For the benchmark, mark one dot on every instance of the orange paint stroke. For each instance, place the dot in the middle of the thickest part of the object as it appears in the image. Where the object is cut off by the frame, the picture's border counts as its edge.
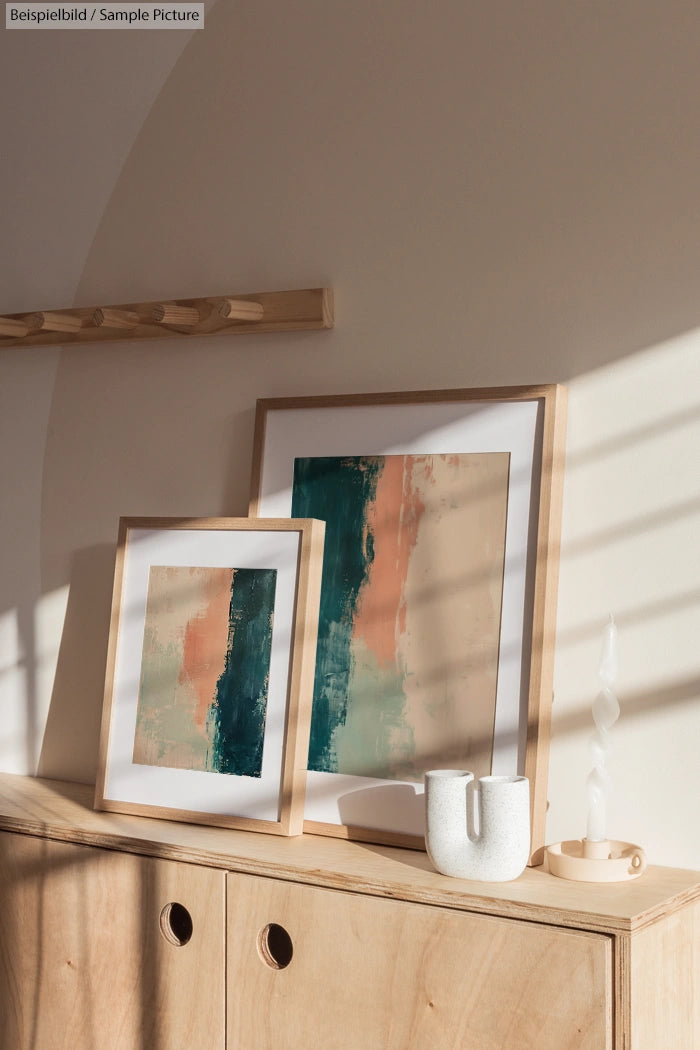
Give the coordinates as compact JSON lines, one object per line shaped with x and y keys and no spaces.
{"x":206,"y":640}
{"x":392,"y":519}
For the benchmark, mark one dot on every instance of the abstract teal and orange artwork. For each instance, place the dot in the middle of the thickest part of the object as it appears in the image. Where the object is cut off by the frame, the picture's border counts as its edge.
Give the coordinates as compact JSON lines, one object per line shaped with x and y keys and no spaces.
{"x":205,"y":664}
{"x":408,"y":644}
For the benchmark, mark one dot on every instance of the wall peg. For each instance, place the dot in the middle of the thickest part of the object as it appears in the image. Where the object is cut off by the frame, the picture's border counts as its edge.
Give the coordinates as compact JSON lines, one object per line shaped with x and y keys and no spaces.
{"x":171,"y":313}
{"x":13,"y":328}
{"x":108,"y":317}
{"x":53,"y":321}
{"x":241,"y":310}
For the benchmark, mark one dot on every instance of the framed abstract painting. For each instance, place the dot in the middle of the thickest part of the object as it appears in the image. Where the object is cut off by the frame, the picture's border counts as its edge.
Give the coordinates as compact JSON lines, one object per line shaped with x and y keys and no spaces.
{"x":210,"y":671}
{"x":436,"y":626}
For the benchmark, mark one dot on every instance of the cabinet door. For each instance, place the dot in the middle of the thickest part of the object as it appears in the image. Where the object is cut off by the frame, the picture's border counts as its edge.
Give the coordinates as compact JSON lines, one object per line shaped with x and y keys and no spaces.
{"x":97,"y":951}
{"x":310,"y":967}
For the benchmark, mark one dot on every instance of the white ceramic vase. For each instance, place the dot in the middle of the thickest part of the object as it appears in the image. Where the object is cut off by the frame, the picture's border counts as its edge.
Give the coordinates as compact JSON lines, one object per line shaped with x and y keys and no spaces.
{"x":495,"y":851}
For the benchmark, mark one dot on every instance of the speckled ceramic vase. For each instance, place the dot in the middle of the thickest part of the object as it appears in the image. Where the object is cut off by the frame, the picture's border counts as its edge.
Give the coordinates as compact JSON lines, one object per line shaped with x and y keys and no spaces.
{"x":498,"y":851}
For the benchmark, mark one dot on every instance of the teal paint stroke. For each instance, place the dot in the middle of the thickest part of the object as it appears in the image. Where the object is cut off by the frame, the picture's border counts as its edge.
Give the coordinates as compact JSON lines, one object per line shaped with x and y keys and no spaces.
{"x":240,"y":703}
{"x":338,"y":490}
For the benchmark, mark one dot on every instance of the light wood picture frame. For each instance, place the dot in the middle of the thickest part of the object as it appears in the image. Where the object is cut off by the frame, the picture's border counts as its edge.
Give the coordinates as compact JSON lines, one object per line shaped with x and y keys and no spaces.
{"x":210,"y":671}
{"x":451,"y":501}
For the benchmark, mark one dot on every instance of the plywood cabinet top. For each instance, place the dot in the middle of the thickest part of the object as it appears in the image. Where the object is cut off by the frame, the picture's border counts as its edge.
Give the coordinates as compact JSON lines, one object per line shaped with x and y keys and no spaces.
{"x":64,"y":811}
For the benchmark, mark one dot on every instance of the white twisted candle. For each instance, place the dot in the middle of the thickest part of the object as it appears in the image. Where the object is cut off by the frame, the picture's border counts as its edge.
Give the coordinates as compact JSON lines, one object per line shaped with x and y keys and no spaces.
{"x":606,"y":711}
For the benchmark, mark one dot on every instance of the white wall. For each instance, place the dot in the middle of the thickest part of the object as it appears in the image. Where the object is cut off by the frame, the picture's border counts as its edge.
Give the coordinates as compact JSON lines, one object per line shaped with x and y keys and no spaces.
{"x":499,"y":194}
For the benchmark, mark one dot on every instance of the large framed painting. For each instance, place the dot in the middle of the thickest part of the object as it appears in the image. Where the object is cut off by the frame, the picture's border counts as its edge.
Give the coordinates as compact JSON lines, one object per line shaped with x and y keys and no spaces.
{"x":210,"y":671}
{"x":435,"y":644}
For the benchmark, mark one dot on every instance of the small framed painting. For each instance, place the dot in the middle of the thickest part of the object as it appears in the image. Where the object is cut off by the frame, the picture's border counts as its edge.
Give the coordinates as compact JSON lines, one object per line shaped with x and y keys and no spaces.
{"x":436,"y":627}
{"x":210,"y":671}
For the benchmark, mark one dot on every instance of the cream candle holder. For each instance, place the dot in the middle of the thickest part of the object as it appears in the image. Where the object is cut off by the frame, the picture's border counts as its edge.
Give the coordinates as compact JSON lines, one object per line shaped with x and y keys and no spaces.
{"x":606,"y":861}
{"x":596,"y":858}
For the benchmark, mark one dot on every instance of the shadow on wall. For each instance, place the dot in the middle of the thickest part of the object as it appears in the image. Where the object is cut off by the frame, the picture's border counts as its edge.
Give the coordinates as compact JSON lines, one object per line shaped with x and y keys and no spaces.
{"x":72,"y":729}
{"x":73,"y":723}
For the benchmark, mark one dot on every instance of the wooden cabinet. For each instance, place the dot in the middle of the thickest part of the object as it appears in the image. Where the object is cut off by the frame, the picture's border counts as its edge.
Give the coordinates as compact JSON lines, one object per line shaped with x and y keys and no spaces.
{"x":148,"y":935}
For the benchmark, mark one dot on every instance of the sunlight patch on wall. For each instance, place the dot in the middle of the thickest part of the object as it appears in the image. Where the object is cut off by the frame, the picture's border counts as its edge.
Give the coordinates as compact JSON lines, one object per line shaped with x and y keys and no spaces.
{"x":632,"y":510}
{"x":29,"y":647}
{"x":49,"y":617}
{"x":630,"y":531}
{"x":13,"y":689}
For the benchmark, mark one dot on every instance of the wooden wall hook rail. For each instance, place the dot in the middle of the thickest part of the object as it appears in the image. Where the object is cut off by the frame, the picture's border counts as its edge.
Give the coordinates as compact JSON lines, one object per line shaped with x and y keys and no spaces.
{"x":290,"y":311}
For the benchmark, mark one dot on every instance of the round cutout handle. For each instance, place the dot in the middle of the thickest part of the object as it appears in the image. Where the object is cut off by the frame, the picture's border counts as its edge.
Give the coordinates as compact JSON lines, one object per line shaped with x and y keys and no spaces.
{"x":275,"y":946}
{"x":176,"y":924}
{"x":638,"y":862}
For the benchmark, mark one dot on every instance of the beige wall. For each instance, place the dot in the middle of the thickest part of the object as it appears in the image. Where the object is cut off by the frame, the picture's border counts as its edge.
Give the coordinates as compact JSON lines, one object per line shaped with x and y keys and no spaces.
{"x":499,"y":194}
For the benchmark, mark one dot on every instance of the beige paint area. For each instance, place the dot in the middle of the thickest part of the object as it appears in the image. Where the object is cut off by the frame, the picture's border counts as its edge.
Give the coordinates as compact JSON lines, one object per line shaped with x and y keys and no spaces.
{"x":427,"y":631}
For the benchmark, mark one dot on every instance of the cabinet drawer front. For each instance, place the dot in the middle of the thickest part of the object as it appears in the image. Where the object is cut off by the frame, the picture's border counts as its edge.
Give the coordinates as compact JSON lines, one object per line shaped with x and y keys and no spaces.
{"x":367,"y":973}
{"x":86,"y":961}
